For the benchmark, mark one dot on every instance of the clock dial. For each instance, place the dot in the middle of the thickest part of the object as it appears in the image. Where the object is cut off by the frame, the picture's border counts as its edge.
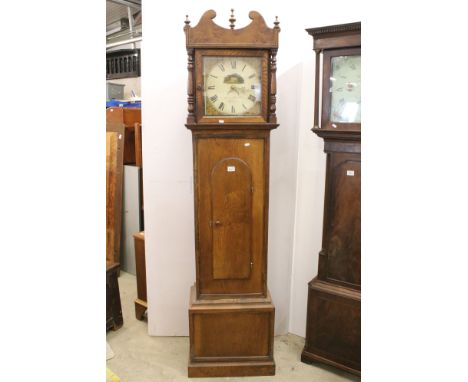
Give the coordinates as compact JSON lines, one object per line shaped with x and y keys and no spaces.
{"x":345,"y":89}
{"x":232,"y":85}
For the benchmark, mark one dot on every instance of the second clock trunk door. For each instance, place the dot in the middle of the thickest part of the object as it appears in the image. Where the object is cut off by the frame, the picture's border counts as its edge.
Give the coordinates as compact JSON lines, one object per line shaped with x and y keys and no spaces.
{"x":344,"y":224}
{"x":230,"y":189}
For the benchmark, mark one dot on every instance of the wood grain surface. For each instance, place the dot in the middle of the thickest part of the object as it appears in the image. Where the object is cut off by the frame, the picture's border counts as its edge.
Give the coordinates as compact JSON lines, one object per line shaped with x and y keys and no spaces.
{"x":231,"y":224}
{"x":114,"y":174}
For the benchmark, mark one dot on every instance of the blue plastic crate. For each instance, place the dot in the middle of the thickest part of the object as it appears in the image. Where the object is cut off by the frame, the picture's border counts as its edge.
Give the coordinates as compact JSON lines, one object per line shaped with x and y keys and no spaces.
{"x":116,"y":103}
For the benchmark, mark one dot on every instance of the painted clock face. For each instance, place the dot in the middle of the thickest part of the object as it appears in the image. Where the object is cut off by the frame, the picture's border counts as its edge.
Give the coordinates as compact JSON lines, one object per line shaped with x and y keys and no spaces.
{"x":232,"y":85}
{"x":345,"y":89}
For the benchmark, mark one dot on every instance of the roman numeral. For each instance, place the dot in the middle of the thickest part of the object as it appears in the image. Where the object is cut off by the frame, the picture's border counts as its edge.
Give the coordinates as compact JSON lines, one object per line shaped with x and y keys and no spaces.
{"x":252,"y":86}
{"x":233,"y":64}
{"x":214,"y":98}
{"x":211,"y":87}
{"x":221,"y":106}
{"x":244,"y":67}
{"x":221,"y":67}
{"x":252,"y":98}
{"x":233,"y":109}
{"x":213,"y":76}
{"x":252,"y":75}
{"x":245,"y":107}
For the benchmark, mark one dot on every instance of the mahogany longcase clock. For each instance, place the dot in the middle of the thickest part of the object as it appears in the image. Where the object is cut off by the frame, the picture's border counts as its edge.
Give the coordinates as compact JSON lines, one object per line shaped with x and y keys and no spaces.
{"x":333,"y":333}
{"x":231,"y":110}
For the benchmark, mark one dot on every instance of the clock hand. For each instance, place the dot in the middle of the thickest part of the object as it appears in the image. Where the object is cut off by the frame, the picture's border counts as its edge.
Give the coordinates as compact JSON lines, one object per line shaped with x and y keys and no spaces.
{"x":238,"y":89}
{"x":233,"y":88}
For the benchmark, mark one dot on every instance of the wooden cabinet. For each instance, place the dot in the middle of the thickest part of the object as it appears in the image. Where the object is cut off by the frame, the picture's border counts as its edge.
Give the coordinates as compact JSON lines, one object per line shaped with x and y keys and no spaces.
{"x":114,"y":319}
{"x":333,"y":333}
{"x":129,"y":117}
{"x":231,"y":110}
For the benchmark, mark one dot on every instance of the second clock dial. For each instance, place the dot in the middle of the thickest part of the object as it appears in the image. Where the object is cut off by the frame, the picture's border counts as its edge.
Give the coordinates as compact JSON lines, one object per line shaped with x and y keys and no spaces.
{"x":232,"y":85}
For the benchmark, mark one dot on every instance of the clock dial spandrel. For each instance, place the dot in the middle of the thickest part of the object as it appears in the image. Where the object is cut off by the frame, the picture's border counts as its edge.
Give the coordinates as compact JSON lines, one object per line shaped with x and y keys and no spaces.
{"x":232,"y":85}
{"x":345,"y":89}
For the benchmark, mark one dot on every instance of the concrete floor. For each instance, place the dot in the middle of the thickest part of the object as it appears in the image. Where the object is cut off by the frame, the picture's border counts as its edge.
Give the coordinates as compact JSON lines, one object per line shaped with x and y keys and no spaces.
{"x":141,"y":358}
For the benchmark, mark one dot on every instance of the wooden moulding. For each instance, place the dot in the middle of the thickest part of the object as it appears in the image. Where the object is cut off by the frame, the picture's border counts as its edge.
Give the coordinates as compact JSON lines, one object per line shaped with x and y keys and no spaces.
{"x":232,"y":126}
{"x":207,"y":34}
{"x":231,"y":337}
{"x":338,"y":135}
{"x":336,"y":36}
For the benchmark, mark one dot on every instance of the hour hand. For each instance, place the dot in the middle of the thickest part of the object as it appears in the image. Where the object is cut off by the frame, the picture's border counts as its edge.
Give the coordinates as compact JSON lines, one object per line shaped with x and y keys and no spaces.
{"x":233,"y":88}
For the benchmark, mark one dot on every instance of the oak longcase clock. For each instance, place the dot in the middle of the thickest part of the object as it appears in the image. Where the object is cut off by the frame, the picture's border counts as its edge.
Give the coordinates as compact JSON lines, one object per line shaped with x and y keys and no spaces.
{"x":333,"y":333}
{"x":231,"y":110}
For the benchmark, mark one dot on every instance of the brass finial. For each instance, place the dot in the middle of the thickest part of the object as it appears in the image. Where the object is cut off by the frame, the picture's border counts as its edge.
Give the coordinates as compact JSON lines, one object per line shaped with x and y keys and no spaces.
{"x":276,"y":23}
{"x":187,"y":21}
{"x":232,"y":20}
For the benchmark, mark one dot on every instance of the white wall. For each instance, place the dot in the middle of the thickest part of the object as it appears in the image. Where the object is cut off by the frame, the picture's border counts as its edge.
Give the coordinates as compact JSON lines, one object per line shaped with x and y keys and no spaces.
{"x":308,"y":204}
{"x":297,"y":159}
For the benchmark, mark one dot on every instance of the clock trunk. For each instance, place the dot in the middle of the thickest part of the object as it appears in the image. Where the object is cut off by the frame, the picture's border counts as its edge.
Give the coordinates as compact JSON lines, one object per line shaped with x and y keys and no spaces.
{"x":230,"y":188}
{"x":340,"y":260}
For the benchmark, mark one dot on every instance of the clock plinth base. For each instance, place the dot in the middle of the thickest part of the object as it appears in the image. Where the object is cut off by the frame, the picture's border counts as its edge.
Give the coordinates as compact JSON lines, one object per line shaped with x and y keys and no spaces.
{"x":231,"y":337}
{"x":230,"y":369}
{"x":333,"y":334}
